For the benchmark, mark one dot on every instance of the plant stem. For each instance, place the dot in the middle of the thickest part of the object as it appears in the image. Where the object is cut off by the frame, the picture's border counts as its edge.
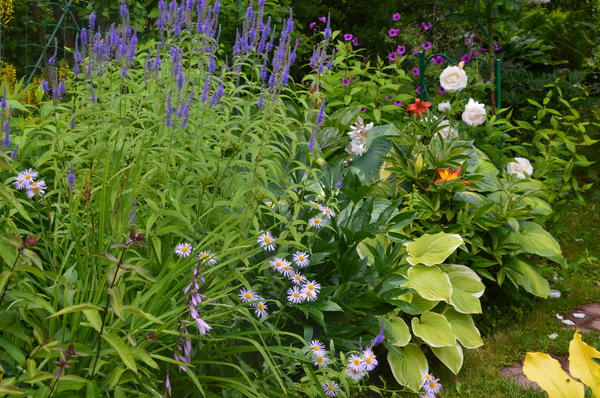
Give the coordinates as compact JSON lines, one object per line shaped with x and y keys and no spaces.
{"x":105,"y":312}
{"x":8,"y":279}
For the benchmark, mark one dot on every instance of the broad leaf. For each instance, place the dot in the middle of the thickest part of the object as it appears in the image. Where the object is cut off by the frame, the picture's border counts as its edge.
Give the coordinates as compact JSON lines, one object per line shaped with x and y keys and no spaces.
{"x":581,"y":364}
{"x":122,"y":349}
{"x":536,"y":240}
{"x":451,"y":356}
{"x":408,"y":366}
{"x":430,"y":282}
{"x":397,"y":332}
{"x":432,"y":249}
{"x":528,"y":278}
{"x":464,"y":329}
{"x":75,"y":308}
{"x":546,"y":372}
{"x":434,"y":329}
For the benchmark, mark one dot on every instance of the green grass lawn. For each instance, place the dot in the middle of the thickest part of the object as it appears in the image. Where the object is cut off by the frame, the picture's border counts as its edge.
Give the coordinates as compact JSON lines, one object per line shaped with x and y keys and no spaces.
{"x":518,"y":323}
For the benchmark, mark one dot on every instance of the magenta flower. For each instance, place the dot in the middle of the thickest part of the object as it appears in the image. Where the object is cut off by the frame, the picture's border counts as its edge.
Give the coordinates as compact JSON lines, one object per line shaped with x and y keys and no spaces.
{"x":400,"y":50}
{"x":469,"y":41}
{"x":345,"y":82}
{"x":363,"y":109}
{"x":414,"y":52}
{"x":348,"y":36}
{"x":496,"y":46}
{"x":482,"y":50}
{"x":388,"y":97}
{"x":426,"y":25}
{"x":418,"y":90}
{"x":426,"y":46}
{"x":437,"y":60}
{"x":441,"y":90}
{"x":416,"y":71}
{"x":323,"y":19}
{"x":312,"y":25}
{"x":396,"y":16}
{"x":392,"y":56}
{"x":398,"y":103}
{"x":393,"y":32}
{"x":466,"y":58}
{"x":355,"y":41}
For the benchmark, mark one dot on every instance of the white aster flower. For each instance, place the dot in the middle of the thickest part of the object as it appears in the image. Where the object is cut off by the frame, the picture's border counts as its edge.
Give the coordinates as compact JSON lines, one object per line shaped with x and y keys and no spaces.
{"x":207,"y":257}
{"x":320,"y":358}
{"x":24,"y":178}
{"x":183,"y":249}
{"x":327,"y":212}
{"x":287,"y":269}
{"x":301,"y":259}
{"x":36,"y":188}
{"x":432,"y":386}
{"x":453,"y":79}
{"x":369,"y":359}
{"x":355,"y":362}
{"x":330,"y":388}
{"x":356,"y":374}
{"x":247,"y":295}
{"x":313,"y":286}
{"x":316,"y":345}
{"x":309,"y":295}
{"x":521,"y":168}
{"x":277,"y":264}
{"x":474,"y":114}
{"x":316,"y":222}
{"x":444,"y":106}
{"x":294,"y":295}
{"x":266,"y":241}
{"x":260,"y":309}
{"x":297,"y":278}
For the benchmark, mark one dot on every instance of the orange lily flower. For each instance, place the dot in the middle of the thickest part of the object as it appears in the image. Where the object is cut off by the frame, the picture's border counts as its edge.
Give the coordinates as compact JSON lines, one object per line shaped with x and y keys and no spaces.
{"x":418,"y":107}
{"x":447,"y":175}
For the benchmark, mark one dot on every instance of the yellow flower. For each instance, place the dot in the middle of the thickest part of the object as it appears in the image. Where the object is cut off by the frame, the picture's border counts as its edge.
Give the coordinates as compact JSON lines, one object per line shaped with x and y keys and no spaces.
{"x":6,"y":11}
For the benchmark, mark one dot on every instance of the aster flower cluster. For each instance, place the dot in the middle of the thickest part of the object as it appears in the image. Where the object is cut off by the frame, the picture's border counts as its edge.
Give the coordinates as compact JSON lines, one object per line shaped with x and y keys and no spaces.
{"x":359,"y":364}
{"x":255,"y":301}
{"x":26,"y":180}
{"x":431,"y":386}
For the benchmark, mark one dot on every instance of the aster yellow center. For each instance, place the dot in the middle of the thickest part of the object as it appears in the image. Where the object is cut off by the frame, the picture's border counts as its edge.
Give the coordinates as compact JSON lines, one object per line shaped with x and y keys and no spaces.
{"x":27,"y":176}
{"x":261,"y":306}
{"x":356,"y":361}
{"x":320,"y":359}
{"x":184,"y":249}
{"x":330,"y":388}
{"x":248,"y":295}
{"x":432,"y":384}
{"x":296,"y":295}
{"x":317,"y":221}
{"x":310,"y":287}
{"x":266,"y":239}
{"x":368,"y":360}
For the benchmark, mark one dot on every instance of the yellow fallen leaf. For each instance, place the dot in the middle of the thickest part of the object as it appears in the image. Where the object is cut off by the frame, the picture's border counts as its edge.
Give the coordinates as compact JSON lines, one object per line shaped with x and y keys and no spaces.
{"x":546,"y":372}
{"x":581,"y":364}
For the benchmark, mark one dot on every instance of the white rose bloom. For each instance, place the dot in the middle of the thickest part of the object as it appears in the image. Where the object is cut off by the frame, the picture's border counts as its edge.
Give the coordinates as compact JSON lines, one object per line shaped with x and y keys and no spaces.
{"x":474,"y":114}
{"x":453,"y":79}
{"x":357,"y":147}
{"x":359,"y":130}
{"x":521,"y":168}
{"x":447,"y":132}
{"x":444,"y":106}
{"x":540,"y":1}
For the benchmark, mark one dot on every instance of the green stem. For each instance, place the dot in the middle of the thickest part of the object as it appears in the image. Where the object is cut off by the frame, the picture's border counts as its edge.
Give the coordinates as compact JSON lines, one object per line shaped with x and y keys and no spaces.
{"x":12,"y":269}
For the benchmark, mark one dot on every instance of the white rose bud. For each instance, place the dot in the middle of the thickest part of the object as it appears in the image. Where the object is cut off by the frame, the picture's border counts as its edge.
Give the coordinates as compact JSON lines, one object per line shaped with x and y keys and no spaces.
{"x":444,"y":106}
{"x":521,"y":168}
{"x":474,"y":114}
{"x":453,"y":79}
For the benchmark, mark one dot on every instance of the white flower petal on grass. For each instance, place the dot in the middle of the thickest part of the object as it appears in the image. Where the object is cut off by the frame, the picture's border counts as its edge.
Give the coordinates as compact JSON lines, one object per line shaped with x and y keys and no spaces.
{"x":183,"y":249}
{"x":453,"y":79}
{"x":266,"y":241}
{"x":554,"y":293}
{"x":568,"y":322}
{"x":474,"y":114}
{"x":247,"y":295}
{"x":521,"y":168}
{"x":260,"y":309}
{"x":301,"y":259}
{"x":579,"y":315}
{"x":553,"y":336}
{"x":559,"y":317}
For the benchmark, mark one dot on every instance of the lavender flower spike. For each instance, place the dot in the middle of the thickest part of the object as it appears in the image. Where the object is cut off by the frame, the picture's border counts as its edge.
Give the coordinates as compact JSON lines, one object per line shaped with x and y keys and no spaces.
{"x":381,"y":336}
{"x":321,"y":114}
{"x":71,"y":178}
{"x":3,"y":103}
{"x":92,"y":20}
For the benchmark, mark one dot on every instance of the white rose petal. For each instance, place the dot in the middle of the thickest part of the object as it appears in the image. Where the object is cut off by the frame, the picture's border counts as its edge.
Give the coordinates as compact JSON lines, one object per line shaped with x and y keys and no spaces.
{"x":357,"y":147}
{"x":579,"y":315}
{"x":521,"y":168}
{"x":444,"y":106}
{"x":553,"y":336}
{"x":474,"y":114}
{"x":554,"y":294}
{"x":559,"y":317}
{"x":453,"y":79}
{"x":568,"y":322}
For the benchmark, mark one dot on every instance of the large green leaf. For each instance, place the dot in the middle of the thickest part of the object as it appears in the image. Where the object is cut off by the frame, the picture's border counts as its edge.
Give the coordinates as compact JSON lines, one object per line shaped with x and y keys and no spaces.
{"x":122,"y":349}
{"x":432,"y":249}
{"x":434,"y":329}
{"x":536,"y":240}
{"x":528,"y":278}
{"x":408,"y":366}
{"x":464,"y":329}
{"x":466,"y":288}
{"x":430,"y":282}
{"x":451,"y":356}
{"x":76,"y":308}
{"x":397,"y":332}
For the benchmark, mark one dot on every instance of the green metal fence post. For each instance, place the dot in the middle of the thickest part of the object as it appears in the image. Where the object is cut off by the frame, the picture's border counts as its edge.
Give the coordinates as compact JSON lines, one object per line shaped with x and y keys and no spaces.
{"x":498,"y":75}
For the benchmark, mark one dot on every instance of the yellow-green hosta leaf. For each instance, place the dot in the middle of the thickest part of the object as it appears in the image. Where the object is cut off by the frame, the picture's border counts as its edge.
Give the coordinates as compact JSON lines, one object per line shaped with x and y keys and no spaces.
{"x":430,"y":282}
{"x":464,"y":329}
{"x":122,"y":349}
{"x":465,"y":302}
{"x":434,"y":329}
{"x":528,"y":278}
{"x":397,"y":332}
{"x":544,"y":370}
{"x":464,"y":278}
{"x":581,"y":364}
{"x":422,"y":304}
{"x":432,"y":249}
{"x":451,"y":356}
{"x":409,"y":366}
